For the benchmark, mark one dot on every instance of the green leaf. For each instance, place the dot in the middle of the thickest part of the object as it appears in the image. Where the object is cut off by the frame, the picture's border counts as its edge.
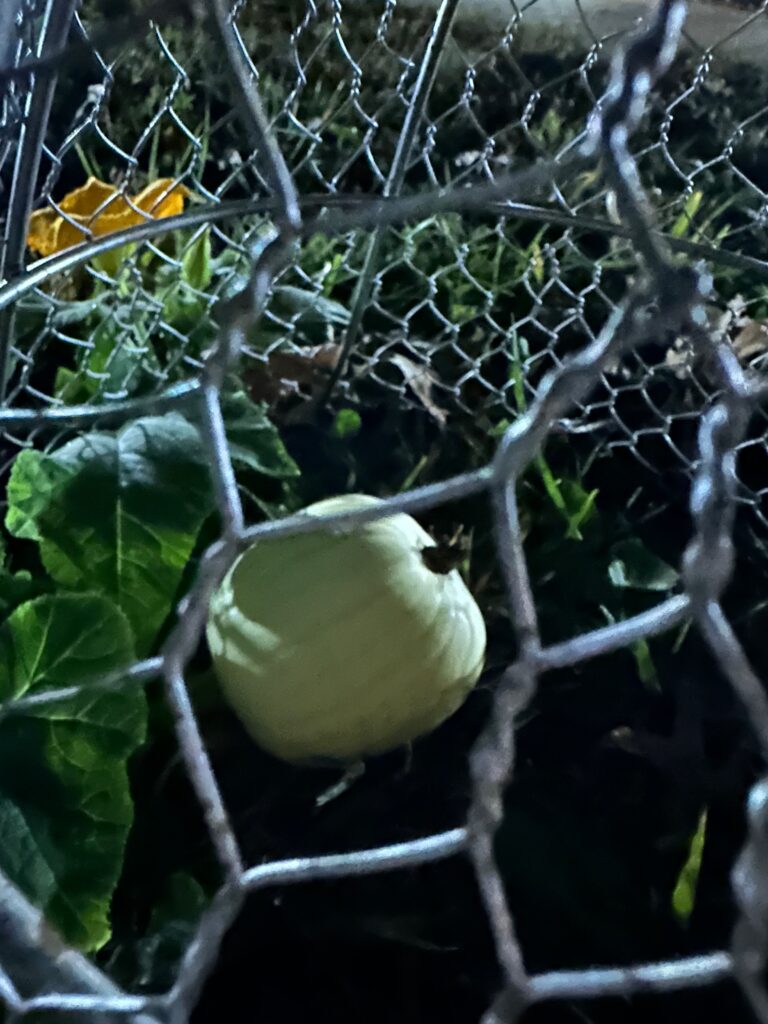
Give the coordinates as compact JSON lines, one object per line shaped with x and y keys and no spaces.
{"x":171,"y":929}
{"x":462,"y":311}
{"x":117,"y":362}
{"x":187,"y":312}
{"x":70,"y":313}
{"x":254,"y":441}
{"x":111,"y":261}
{"x":65,"y":804}
{"x":145,"y":957}
{"x":684,"y":894}
{"x":121,"y":356}
{"x":499,"y":429}
{"x":196,"y":268}
{"x":31,"y":313}
{"x":34,"y":481}
{"x":574,"y":504}
{"x":16,"y":588}
{"x":68,"y":386}
{"x":634,"y":567}
{"x":646,"y":669}
{"x":308,"y":309}
{"x":35,"y":313}
{"x":684,"y":222}
{"x":233,"y":282}
{"x":117,"y":513}
{"x":347,"y":423}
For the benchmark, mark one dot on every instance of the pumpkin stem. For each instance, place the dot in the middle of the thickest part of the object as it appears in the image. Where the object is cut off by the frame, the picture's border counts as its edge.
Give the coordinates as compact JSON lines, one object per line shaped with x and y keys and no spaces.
{"x":445,"y":555}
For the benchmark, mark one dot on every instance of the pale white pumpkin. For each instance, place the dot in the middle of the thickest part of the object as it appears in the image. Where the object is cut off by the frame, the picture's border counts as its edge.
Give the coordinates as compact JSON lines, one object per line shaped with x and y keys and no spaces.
{"x":343,"y":643}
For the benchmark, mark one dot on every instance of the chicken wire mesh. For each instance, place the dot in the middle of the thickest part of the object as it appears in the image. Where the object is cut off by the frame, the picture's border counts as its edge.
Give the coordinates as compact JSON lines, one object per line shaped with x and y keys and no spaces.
{"x":335,"y":193}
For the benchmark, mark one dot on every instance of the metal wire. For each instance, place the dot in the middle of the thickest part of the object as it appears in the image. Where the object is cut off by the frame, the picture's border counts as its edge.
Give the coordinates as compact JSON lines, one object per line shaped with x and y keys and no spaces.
{"x":666,"y":296}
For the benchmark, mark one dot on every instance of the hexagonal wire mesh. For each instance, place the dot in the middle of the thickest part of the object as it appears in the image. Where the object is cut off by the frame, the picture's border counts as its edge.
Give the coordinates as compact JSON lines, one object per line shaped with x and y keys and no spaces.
{"x":366,"y":143}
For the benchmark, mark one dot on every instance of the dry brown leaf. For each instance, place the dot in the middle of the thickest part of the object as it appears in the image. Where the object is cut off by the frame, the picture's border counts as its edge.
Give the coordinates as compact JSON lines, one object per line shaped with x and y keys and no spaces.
{"x":284,"y":375}
{"x":747,"y":337}
{"x":420,"y":379}
{"x":751,"y":341}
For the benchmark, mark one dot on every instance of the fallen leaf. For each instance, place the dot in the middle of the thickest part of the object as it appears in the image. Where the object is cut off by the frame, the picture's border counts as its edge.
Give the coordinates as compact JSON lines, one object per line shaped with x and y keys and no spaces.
{"x":679,"y":358}
{"x":748,"y":339}
{"x":420,"y":379}
{"x":751,"y":341}
{"x":282,"y":375}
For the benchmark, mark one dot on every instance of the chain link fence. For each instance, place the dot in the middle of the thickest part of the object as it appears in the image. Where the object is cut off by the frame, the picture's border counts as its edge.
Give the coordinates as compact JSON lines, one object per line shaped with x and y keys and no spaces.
{"x":484,"y":221}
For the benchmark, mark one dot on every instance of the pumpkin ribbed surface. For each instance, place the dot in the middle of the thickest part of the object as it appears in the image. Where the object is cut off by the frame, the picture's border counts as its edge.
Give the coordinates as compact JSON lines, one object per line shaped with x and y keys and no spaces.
{"x":343,"y":643}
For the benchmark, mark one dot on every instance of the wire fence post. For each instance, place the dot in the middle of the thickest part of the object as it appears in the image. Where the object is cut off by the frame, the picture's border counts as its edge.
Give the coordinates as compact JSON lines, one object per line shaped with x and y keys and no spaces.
{"x":56,"y":21}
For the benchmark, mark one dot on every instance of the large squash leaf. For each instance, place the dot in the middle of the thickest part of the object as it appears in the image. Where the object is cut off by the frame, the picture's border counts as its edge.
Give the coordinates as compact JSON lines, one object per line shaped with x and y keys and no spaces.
{"x":65,"y":804}
{"x":118,"y":514}
{"x":254,"y":440}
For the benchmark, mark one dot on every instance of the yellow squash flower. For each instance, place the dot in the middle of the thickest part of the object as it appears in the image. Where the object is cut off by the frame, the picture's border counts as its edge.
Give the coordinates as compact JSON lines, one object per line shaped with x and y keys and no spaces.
{"x":100,"y":209}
